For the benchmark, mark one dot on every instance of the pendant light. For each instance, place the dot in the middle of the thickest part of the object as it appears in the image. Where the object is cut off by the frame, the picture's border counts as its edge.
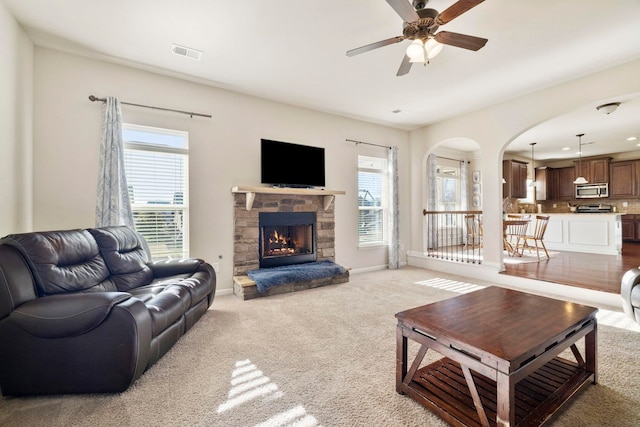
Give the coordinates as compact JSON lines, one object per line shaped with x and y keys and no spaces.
{"x":580,"y":179}
{"x":533,"y":169}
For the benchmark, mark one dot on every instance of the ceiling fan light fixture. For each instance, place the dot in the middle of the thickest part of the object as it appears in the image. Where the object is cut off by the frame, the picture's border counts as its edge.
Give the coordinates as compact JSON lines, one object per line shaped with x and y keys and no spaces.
{"x":415,"y":51}
{"x":433,"y":48}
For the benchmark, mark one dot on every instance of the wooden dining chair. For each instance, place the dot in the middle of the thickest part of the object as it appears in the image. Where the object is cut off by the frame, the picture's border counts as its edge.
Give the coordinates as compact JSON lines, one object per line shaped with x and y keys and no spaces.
{"x":516,"y":233}
{"x":474,"y":229}
{"x":537,"y":237}
{"x":519,"y":216}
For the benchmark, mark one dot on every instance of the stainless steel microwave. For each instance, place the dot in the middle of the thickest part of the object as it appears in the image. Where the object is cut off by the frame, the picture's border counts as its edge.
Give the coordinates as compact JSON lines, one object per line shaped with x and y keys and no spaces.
{"x":592,"y":191}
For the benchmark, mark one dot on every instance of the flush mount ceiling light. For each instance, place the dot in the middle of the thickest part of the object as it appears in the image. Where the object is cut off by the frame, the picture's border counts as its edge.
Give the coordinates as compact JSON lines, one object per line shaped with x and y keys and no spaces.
{"x":632,"y":138}
{"x":608,"y":108}
{"x":580,"y":179}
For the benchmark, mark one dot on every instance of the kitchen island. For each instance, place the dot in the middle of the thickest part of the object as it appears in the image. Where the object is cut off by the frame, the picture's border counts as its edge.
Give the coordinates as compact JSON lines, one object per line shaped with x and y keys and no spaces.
{"x":599,"y":233}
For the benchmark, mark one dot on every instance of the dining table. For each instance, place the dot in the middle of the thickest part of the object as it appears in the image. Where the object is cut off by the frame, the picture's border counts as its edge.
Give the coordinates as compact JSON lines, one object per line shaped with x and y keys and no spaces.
{"x":514,"y":230}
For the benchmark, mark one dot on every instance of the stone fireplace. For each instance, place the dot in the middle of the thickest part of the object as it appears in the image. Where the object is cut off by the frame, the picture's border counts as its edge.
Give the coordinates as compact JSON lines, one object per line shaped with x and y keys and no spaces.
{"x":312,"y":240}
{"x":249,"y":202}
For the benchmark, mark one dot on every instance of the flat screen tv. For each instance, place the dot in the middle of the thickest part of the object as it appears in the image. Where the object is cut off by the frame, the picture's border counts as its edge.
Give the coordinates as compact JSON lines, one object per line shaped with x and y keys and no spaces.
{"x":291,"y":165}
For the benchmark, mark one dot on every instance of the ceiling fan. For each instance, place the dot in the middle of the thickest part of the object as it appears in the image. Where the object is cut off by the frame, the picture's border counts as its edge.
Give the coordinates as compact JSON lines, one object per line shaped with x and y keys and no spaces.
{"x":420,"y":26}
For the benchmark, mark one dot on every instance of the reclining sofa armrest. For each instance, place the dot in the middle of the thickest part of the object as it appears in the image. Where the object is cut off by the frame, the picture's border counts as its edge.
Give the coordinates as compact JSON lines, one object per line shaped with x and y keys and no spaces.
{"x":629,"y":286}
{"x":109,"y":351}
{"x":66,"y":315}
{"x":172,"y":267}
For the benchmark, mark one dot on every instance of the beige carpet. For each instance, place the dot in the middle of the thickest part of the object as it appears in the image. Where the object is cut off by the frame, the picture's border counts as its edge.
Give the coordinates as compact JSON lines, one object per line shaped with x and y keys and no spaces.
{"x":320,"y":357}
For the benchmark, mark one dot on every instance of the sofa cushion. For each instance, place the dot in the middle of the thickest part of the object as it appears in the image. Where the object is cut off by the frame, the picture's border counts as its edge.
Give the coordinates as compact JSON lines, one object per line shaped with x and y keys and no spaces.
{"x":63,"y":261}
{"x":166,"y":304}
{"x":198,"y":284}
{"x":124,"y":252}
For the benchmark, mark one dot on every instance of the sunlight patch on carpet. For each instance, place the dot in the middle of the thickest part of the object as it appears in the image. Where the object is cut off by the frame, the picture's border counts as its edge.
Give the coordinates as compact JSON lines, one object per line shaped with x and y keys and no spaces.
{"x":616,"y":319}
{"x":295,"y":416}
{"x":249,"y":383}
{"x":450,"y":285}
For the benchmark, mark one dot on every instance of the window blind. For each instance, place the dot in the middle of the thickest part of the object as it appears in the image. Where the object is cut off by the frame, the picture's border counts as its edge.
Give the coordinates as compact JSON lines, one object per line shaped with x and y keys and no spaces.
{"x":157,"y":181}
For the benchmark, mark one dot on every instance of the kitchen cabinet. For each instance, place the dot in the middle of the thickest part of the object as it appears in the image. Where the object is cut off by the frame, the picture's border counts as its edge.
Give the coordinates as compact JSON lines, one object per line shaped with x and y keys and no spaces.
{"x":599,"y":170}
{"x":623,"y":179}
{"x":594,"y":170}
{"x":564,"y":187}
{"x":627,"y":225}
{"x":514,"y":173}
{"x":545,"y":183}
{"x":597,"y":233}
{"x":630,"y":224}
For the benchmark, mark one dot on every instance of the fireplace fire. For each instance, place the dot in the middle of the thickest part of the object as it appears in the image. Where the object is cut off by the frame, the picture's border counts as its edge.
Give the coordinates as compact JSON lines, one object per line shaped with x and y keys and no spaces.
{"x":287,"y":238}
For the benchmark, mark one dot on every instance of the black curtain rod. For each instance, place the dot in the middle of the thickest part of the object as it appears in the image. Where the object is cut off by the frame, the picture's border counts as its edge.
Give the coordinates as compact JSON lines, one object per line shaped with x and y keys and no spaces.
{"x":94,"y":99}
{"x":367,"y":143}
{"x":448,"y":158}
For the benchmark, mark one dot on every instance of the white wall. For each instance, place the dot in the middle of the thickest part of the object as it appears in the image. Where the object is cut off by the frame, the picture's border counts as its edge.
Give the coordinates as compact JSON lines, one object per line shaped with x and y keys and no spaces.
{"x":493,"y":128}
{"x":224,"y":150}
{"x":15,"y":125}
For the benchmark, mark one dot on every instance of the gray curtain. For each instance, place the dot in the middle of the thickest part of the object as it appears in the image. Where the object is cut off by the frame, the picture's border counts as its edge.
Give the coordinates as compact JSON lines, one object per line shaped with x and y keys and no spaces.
{"x":112,"y":206}
{"x":464,"y":187}
{"x":394,"y":199}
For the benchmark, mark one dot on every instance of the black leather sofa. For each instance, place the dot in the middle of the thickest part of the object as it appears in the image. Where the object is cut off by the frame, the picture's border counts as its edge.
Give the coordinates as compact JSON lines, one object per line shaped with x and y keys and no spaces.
{"x":630,"y":293}
{"x":85,"y":311}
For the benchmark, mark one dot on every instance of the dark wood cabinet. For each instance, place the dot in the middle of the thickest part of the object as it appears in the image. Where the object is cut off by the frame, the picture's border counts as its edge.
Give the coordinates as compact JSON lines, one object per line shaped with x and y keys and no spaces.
{"x":545,"y":183}
{"x":623,"y":179}
{"x":514,"y":173}
{"x":631,"y":227}
{"x":564,"y":186}
{"x":599,"y":170}
{"x":594,"y":170}
{"x":627,"y":224}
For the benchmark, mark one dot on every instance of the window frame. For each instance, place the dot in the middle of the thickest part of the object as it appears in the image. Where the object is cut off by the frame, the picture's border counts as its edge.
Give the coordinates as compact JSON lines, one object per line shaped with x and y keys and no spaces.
{"x":181,"y":209}
{"x":383,"y":172}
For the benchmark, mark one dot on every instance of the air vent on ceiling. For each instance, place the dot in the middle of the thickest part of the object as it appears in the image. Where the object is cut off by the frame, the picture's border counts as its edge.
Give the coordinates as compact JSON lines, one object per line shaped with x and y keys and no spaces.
{"x":186,"y":51}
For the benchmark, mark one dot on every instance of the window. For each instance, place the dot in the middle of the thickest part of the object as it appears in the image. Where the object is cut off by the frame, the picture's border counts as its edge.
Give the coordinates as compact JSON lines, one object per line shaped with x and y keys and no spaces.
{"x":156,"y":164}
{"x":448,"y":178}
{"x":531,"y":186}
{"x":372,"y":200}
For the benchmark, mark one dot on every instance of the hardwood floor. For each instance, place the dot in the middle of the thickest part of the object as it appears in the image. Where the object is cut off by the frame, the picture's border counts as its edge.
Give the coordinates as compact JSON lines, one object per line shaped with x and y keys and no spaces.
{"x":590,"y":271}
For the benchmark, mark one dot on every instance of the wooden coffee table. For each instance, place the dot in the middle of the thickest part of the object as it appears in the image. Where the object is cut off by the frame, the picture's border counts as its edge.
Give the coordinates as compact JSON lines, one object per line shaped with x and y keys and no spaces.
{"x":500,"y":364}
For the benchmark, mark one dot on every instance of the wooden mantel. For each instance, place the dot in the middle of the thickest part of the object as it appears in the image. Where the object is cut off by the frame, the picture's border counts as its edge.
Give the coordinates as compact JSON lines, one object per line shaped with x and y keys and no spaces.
{"x":250,"y":193}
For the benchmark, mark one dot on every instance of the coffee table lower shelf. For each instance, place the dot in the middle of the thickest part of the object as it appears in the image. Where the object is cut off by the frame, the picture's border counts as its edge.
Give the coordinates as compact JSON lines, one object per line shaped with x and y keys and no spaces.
{"x":442,"y":388}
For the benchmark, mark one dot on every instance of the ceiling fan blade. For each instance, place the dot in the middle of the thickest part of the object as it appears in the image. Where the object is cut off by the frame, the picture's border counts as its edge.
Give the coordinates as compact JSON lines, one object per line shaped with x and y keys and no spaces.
{"x":460,"y":40}
{"x":405,"y":10}
{"x":367,"y":48}
{"x":405,"y":66}
{"x":455,"y":10}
